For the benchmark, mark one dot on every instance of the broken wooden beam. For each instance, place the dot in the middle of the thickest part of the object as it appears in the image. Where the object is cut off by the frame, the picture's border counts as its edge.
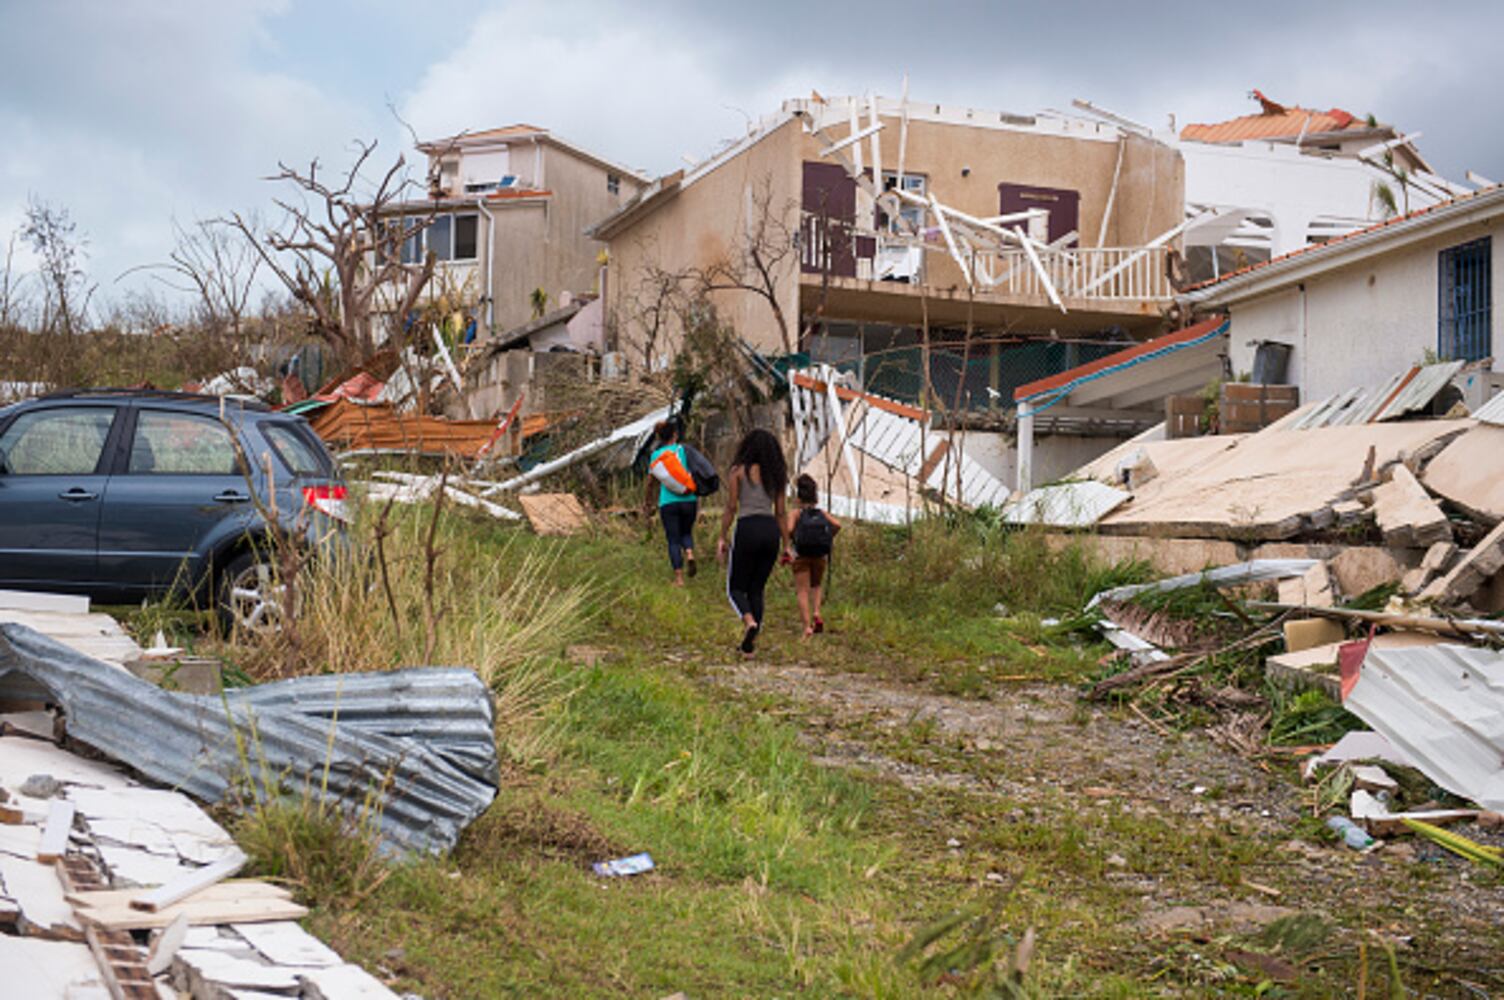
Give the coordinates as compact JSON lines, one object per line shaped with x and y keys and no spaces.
{"x":172,"y":892}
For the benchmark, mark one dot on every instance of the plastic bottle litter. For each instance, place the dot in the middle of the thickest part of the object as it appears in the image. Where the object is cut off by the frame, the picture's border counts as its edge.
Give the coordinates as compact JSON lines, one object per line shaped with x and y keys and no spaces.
{"x":635,"y":865}
{"x":1352,"y":835}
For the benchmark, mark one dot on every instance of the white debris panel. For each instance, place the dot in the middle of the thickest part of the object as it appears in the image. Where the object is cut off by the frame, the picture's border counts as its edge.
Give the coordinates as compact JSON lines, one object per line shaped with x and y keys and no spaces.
{"x":1066,"y":505}
{"x":1443,"y":707}
{"x":425,"y":735}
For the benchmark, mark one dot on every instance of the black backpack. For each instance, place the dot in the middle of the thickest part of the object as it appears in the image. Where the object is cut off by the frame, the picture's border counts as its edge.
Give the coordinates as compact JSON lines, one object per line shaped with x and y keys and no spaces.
{"x":704,"y":474}
{"x":813,"y":533}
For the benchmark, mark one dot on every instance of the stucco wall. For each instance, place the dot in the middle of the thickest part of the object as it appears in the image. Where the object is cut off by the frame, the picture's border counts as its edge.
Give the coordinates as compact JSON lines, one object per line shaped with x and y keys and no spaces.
{"x":696,"y":227}
{"x":1358,"y":325}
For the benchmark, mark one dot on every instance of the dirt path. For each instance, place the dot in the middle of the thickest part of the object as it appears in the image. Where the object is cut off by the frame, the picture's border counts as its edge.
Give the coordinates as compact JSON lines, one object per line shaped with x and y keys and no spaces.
{"x":1054,"y":760}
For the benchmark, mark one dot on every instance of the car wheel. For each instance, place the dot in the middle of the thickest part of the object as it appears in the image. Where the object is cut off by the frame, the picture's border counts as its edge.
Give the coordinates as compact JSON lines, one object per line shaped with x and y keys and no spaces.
{"x":250,"y":598}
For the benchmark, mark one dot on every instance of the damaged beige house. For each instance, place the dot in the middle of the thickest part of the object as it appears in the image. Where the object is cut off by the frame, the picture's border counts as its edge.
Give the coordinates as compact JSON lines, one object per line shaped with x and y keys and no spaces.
{"x":801,"y":256}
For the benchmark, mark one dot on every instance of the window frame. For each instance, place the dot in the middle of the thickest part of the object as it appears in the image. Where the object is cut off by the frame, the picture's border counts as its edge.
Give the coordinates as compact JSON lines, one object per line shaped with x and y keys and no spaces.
{"x":1465,"y":334}
{"x":128,"y":445}
{"x":474,"y":219}
{"x":102,"y":463}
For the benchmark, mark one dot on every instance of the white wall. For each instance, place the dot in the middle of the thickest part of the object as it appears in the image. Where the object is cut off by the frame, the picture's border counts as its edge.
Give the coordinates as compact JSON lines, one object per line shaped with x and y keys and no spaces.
{"x":1358,"y":325}
{"x":1292,"y":187}
{"x":1055,"y":455}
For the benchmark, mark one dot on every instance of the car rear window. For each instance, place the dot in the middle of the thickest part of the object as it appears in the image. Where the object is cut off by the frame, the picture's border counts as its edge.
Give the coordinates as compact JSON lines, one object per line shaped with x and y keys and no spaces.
{"x":303,"y":457}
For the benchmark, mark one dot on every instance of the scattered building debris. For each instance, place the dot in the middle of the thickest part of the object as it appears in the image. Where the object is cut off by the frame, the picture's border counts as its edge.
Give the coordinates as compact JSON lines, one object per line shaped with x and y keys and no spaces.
{"x":69,"y":925}
{"x":878,"y":459}
{"x":1443,"y":707}
{"x":424,"y":735}
{"x":554,"y":513}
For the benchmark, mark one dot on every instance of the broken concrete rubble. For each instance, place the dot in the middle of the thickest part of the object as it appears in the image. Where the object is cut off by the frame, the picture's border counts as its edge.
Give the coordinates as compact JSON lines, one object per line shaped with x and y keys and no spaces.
{"x":1406,"y":514}
{"x":424,"y":735}
{"x":1472,"y":571}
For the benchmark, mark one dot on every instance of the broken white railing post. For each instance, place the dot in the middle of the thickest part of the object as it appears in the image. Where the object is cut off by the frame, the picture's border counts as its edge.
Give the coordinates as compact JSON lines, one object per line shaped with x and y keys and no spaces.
{"x":1025,"y":481}
{"x":1142,"y":251}
{"x":838,"y":419}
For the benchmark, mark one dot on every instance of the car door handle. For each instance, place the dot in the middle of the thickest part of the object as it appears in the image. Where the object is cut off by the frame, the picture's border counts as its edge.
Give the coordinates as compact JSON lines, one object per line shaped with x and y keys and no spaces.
{"x":231,"y":496}
{"x":77,"y":493}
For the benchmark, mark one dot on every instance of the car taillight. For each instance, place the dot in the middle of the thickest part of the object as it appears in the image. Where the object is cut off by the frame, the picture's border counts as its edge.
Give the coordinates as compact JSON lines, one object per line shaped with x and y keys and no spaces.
{"x":328,"y":500}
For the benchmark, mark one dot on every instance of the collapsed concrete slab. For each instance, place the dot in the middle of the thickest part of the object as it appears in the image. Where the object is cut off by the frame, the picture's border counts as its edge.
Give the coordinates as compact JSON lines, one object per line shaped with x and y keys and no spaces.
{"x":1466,"y":472}
{"x":1406,"y":514}
{"x":422,"y":737}
{"x":1273,"y":485}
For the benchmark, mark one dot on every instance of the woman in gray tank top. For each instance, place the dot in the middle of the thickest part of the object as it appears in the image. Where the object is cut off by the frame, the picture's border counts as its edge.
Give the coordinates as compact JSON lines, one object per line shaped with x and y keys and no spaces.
{"x":759,"y":478}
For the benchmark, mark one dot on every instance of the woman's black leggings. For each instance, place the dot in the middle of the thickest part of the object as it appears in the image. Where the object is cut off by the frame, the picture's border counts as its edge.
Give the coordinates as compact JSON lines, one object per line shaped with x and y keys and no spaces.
{"x":679,"y":526}
{"x":754,"y":553}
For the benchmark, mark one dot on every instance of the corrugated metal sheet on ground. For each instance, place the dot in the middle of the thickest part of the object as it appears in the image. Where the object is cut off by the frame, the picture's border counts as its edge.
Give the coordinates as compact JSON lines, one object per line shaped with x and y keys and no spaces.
{"x":1443,"y":706}
{"x":418,"y":736}
{"x":1066,"y":505}
{"x":1491,"y":412}
{"x":348,"y":425}
{"x":1404,"y":392}
{"x":1253,"y":571}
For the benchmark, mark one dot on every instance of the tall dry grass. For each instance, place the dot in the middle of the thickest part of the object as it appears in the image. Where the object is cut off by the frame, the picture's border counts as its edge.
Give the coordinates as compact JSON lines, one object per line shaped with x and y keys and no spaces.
{"x":430,"y":586}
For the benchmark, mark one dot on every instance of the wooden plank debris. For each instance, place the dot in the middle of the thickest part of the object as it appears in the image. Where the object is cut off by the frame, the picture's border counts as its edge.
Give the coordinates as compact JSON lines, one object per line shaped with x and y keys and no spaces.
{"x":223,"y":903}
{"x":554,"y":513}
{"x":93,"y":634}
{"x":121,"y":965}
{"x":1406,"y":514}
{"x":164,"y":896}
{"x":54,"y":842}
{"x":165,"y":945}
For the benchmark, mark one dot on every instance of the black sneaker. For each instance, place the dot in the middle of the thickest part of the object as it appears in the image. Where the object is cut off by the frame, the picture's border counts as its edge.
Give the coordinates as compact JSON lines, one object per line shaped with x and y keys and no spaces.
{"x":691,"y":567}
{"x":749,"y":639}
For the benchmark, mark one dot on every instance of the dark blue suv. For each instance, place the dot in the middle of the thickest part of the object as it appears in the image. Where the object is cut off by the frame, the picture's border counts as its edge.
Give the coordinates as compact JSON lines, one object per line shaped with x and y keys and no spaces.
{"x":124,"y":494}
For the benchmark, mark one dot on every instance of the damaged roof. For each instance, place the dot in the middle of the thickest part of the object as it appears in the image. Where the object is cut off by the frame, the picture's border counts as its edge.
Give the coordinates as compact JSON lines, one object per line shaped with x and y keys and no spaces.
{"x":1297,"y":264}
{"x":1278,"y":121}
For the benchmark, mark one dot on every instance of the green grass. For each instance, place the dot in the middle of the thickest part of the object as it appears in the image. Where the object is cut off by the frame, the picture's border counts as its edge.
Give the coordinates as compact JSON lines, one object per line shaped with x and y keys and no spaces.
{"x":777,"y":875}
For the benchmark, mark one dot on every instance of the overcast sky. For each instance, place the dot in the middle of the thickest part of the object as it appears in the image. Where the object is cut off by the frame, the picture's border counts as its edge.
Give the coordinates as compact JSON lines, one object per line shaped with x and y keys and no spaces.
{"x":132,"y":113}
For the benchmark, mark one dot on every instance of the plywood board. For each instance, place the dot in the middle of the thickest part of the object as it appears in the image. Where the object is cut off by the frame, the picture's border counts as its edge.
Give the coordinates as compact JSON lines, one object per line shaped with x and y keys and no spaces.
{"x":554,"y":513}
{"x":225,"y":903}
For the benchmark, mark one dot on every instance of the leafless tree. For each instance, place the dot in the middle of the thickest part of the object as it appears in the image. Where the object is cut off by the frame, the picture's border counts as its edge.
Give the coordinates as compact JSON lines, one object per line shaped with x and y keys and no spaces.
{"x":61,"y":251}
{"x":652,"y":307}
{"x":759,"y":258}
{"x":338,"y":248}
{"x":215,"y":264}
{"x":10,"y":284}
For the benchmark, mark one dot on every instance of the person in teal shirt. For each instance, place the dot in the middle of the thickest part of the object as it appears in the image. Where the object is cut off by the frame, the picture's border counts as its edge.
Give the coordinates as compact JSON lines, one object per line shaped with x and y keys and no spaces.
{"x":678,"y":511}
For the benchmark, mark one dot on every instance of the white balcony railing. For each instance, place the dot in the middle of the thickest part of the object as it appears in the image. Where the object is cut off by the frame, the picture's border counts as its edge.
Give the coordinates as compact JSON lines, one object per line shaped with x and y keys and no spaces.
{"x":1118,"y":274}
{"x":1104,"y":274}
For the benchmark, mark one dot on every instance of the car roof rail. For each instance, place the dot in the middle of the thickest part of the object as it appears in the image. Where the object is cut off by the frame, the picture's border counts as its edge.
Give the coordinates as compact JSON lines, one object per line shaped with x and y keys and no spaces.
{"x":249,"y":402}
